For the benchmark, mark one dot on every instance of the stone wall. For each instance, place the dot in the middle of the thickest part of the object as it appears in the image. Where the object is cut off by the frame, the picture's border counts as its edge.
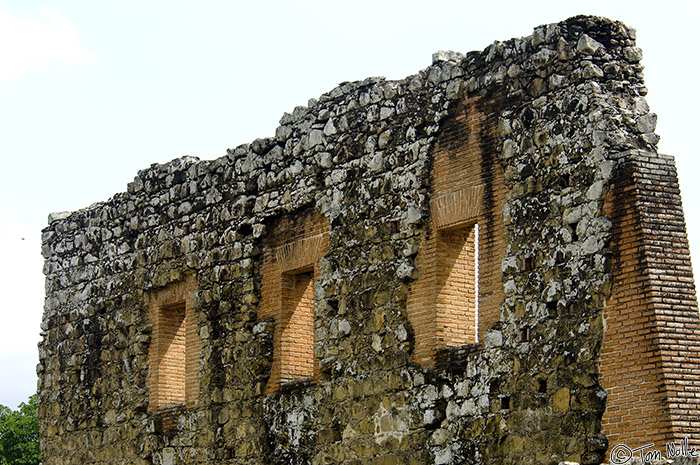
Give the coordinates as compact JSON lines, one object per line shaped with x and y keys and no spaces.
{"x":350,"y":201}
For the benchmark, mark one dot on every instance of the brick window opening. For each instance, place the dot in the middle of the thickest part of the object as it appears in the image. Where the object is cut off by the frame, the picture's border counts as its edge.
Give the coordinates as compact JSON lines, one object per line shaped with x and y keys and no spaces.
{"x":290,"y":269}
{"x":173,"y":377}
{"x":296,"y":343}
{"x":170,"y":345}
{"x":457,"y":290}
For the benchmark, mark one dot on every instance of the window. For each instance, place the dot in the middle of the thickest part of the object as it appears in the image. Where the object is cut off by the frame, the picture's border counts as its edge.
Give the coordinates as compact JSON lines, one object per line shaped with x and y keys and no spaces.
{"x":457,"y":296}
{"x":169,"y":348}
{"x":297,"y":333}
{"x":444,"y":303}
{"x":290,"y":268}
{"x":173,"y":377}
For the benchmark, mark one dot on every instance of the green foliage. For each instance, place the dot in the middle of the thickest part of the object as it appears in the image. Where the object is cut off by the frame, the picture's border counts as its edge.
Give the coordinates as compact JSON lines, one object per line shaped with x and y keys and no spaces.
{"x":19,"y":434}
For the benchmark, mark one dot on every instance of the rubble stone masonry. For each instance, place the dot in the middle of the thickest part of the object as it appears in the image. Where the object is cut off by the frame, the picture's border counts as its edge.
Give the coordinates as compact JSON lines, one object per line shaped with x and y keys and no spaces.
{"x":482,"y":263}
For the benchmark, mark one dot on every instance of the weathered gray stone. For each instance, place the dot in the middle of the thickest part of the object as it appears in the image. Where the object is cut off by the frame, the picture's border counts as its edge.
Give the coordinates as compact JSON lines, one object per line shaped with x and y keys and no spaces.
{"x":447,"y":56}
{"x":592,"y":71}
{"x":329,"y":129}
{"x":646,"y":123}
{"x":587,"y":45}
{"x":57,"y":216}
{"x":315,"y":138}
{"x":633,"y":53}
{"x":493,"y":339}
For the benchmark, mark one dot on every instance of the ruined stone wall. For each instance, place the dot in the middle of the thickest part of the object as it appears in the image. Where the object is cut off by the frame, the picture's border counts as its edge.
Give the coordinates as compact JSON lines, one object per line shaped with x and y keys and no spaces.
{"x":342,"y":203}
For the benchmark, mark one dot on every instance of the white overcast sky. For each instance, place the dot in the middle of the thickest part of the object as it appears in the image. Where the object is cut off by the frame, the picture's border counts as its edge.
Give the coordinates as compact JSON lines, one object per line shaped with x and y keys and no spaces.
{"x":92,"y":91}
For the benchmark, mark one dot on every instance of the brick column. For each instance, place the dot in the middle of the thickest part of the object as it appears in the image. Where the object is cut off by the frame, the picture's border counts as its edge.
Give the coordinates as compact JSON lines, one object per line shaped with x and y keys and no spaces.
{"x":650,"y":359}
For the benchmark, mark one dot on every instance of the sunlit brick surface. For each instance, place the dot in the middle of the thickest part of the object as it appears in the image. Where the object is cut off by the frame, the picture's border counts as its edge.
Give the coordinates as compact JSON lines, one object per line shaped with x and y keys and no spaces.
{"x":456,"y":287}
